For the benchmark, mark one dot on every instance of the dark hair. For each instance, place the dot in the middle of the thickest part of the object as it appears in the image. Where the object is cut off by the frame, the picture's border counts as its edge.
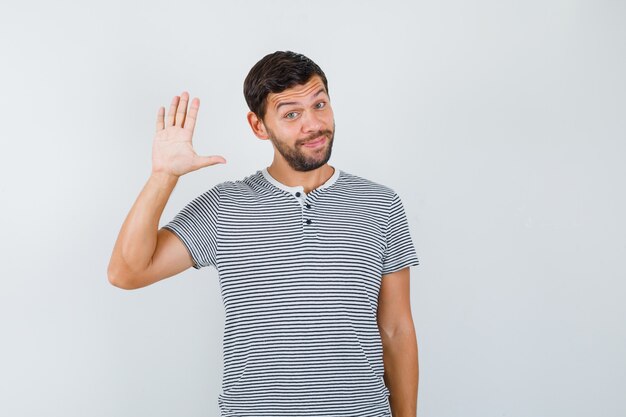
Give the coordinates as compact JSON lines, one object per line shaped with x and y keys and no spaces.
{"x":277,"y":72}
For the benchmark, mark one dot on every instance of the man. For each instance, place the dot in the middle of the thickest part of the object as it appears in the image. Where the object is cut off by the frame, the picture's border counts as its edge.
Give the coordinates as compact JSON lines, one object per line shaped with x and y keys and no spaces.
{"x":313,"y":261}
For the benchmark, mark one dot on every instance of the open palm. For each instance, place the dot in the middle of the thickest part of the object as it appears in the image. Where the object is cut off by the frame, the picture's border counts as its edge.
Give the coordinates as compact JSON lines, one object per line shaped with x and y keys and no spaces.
{"x":172,"y":150}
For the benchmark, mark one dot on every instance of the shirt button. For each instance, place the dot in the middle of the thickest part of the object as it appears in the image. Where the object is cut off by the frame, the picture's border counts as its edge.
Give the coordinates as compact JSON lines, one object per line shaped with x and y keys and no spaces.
{"x":308,"y":205}
{"x":308,"y":221}
{"x":298,"y":194}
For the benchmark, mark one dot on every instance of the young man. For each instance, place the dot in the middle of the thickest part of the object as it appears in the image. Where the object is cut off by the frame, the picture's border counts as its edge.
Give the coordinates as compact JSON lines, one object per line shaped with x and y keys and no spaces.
{"x":313,"y":261}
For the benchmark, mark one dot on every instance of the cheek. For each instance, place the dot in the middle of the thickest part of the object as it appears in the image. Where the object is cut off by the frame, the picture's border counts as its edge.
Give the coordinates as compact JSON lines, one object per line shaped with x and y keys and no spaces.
{"x":289,"y":131}
{"x":330,"y":119}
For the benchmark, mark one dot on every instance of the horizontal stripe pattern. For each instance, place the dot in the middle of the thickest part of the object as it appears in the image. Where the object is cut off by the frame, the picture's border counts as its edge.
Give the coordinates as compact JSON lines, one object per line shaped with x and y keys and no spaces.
{"x":299,"y":278}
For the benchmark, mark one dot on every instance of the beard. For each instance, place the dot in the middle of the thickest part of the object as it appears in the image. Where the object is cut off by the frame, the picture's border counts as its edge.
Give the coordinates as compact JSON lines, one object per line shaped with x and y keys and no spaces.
{"x":304,"y":159}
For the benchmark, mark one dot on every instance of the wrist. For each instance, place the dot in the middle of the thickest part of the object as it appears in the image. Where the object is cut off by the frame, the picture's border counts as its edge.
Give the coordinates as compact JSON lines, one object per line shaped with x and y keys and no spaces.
{"x":164,"y":178}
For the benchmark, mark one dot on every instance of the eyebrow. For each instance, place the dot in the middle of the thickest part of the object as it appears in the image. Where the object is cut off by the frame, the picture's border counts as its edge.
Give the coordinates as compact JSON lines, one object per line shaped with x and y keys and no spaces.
{"x":287,"y":103}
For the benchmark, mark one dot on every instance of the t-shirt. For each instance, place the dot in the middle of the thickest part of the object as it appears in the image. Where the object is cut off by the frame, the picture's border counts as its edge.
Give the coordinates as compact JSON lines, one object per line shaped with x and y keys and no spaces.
{"x":299,"y":276}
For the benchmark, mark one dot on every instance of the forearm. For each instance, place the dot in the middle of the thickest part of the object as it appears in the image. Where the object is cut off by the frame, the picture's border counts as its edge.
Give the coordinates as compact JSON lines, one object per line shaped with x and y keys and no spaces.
{"x":137,"y":238}
{"x":401,"y":371}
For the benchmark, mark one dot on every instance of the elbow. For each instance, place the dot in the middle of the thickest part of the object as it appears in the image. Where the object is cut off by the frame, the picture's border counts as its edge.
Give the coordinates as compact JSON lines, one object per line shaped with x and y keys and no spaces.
{"x":118,"y":279}
{"x":399,"y":331}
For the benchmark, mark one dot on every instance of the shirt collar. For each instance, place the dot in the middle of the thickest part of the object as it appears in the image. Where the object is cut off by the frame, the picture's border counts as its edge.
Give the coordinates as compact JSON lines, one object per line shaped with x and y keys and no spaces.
{"x":300,"y":188}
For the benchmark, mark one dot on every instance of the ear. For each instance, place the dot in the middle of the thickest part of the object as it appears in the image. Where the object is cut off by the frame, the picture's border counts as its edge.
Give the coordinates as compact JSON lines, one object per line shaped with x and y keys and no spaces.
{"x":258,"y":128}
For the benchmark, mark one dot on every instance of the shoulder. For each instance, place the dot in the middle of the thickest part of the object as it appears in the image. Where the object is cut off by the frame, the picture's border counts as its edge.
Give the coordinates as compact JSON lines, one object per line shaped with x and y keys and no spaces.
{"x":250,"y":185}
{"x":366,"y":186}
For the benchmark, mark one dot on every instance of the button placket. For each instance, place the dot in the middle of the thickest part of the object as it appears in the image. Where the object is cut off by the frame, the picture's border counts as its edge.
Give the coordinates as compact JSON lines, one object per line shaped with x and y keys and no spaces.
{"x":302,"y":197}
{"x":308,"y":218}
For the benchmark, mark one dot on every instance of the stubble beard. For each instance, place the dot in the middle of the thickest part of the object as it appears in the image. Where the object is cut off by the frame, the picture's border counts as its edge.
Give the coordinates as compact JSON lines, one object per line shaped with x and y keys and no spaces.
{"x":300,"y":160}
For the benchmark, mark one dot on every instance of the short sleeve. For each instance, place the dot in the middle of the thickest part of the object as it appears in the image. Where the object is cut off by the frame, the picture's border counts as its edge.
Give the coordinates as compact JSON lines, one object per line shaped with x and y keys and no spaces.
{"x":399,"y":249}
{"x":196,"y":226}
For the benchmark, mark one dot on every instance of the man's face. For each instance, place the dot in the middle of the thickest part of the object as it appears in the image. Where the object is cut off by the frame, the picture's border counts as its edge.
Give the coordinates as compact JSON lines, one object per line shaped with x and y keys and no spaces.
{"x":300,"y":123}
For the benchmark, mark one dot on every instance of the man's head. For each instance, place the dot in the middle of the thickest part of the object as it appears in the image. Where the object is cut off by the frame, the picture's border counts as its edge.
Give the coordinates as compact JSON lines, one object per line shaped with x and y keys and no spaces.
{"x":287,"y":94}
{"x":275,"y":73}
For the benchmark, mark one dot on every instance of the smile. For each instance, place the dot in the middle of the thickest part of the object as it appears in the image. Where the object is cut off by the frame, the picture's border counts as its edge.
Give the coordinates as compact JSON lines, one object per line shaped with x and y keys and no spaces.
{"x":315,"y":143}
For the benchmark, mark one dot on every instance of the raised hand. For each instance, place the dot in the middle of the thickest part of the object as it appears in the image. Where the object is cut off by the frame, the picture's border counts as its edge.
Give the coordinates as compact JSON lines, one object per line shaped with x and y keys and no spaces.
{"x":172,"y":151}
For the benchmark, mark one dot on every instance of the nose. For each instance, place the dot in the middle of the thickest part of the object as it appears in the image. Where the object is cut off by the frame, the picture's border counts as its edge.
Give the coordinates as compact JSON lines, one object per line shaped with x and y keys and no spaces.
{"x":311,"y":122}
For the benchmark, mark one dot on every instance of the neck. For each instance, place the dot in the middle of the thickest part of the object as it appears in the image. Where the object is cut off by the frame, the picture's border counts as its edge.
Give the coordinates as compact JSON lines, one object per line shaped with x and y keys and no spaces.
{"x":310,"y":180}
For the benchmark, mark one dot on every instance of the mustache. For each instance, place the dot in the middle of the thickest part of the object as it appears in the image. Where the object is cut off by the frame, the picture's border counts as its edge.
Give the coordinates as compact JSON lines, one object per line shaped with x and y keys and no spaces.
{"x":327,"y":133}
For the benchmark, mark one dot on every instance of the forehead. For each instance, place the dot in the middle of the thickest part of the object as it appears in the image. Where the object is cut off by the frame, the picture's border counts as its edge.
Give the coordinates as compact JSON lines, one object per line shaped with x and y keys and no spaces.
{"x":297,"y":93}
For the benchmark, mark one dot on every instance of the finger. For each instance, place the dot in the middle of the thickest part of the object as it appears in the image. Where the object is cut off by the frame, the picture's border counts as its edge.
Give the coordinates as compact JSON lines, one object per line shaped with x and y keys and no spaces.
{"x":190,"y":120}
{"x":172,"y":113}
{"x":182,"y":109}
{"x":205,"y":161}
{"x":160,"y":124}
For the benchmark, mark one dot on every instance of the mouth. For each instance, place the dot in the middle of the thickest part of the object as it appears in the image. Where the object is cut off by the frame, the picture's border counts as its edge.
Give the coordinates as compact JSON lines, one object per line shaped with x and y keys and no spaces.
{"x":315,"y":142}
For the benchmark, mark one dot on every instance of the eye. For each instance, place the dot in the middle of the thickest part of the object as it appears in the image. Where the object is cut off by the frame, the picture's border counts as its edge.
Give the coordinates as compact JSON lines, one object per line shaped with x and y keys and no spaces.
{"x":320,"y":105}
{"x":291,"y":115}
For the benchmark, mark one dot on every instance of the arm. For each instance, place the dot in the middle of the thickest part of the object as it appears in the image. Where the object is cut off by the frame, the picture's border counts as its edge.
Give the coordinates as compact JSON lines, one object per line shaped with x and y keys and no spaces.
{"x":133,"y":263}
{"x":143,"y":254}
{"x":399,"y":343}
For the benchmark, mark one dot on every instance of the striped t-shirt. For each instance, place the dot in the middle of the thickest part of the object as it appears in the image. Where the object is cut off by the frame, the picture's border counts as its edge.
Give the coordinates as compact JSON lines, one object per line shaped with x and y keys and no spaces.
{"x":299,"y":276}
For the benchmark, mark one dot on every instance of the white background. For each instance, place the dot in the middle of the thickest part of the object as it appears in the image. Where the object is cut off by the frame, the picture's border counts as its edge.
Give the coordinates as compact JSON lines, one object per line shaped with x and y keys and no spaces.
{"x":501,"y":124}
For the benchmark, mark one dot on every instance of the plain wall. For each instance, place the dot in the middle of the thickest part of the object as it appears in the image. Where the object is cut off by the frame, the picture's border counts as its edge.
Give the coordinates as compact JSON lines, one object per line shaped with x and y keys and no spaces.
{"x":501,"y":124}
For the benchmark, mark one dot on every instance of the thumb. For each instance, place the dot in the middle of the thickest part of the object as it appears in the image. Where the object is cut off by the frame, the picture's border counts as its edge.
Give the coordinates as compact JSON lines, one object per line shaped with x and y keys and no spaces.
{"x":205,"y":161}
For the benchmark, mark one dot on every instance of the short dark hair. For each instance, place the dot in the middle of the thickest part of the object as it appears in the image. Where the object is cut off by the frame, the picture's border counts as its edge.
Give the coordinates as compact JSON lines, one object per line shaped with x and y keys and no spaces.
{"x":277,"y":72}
